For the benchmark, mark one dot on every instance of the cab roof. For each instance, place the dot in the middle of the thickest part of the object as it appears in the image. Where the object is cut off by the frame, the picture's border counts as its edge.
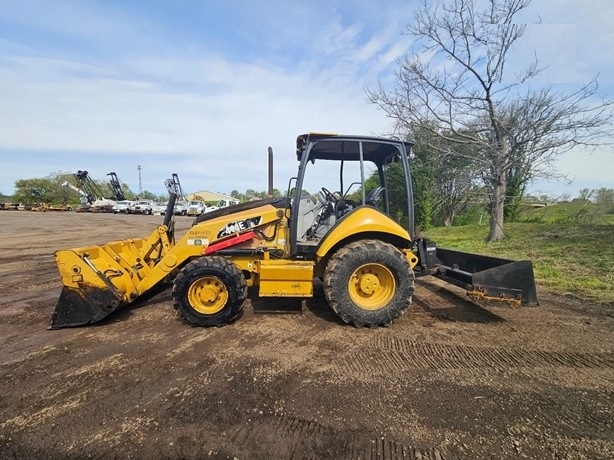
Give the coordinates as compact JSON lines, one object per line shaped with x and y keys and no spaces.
{"x":337,"y":147}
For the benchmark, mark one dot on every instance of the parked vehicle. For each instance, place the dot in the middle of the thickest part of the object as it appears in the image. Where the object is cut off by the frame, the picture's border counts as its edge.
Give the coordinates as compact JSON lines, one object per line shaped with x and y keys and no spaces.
{"x":159,"y":208}
{"x":124,"y":207}
{"x":196,"y":208}
{"x":181,"y":208}
{"x":347,"y":237}
{"x":143,"y":207}
{"x":221,"y":204}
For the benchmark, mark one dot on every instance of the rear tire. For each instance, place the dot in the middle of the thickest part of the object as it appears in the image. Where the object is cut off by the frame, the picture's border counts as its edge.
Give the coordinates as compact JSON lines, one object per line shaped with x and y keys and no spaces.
{"x":209,"y":291}
{"x":369,"y":283}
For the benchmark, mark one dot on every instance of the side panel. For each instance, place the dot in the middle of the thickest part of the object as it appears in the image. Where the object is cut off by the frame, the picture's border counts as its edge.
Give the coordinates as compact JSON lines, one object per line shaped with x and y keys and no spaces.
{"x":224,"y":226}
{"x":284,"y":278}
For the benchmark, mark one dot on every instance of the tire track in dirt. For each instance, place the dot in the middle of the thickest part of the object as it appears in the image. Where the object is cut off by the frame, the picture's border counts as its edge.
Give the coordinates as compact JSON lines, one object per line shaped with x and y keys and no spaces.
{"x":40,"y":405}
{"x":587,"y":420}
{"x":294,"y":438}
{"x":573,"y":415}
{"x":393,"y":355}
{"x":21,"y":266}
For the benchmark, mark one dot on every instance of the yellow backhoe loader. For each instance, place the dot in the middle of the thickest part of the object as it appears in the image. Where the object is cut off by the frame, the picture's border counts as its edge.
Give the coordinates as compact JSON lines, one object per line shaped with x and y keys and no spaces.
{"x":353,"y":234}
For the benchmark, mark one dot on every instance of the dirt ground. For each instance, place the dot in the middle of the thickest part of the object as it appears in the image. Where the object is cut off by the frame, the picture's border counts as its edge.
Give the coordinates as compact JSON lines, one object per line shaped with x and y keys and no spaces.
{"x":287,"y":380}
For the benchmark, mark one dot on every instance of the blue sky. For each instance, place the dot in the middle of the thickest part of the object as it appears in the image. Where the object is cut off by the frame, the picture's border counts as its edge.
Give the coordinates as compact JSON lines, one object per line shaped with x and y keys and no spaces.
{"x":202,"y":88}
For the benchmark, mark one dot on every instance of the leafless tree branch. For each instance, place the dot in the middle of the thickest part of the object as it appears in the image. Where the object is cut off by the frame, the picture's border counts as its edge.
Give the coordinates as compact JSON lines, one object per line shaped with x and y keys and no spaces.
{"x":456,"y":86}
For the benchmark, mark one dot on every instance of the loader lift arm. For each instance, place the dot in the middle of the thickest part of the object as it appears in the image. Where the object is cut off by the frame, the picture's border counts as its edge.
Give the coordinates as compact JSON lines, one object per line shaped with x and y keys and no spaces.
{"x":99,"y":279}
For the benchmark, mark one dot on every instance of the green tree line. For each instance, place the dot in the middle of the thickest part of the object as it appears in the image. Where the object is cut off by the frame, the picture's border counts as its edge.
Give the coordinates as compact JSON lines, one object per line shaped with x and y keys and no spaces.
{"x":445,"y":192}
{"x":51,"y":190}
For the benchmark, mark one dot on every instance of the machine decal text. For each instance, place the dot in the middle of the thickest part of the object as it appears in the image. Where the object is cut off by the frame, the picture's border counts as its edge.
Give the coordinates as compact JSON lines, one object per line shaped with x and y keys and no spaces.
{"x":239,"y":226}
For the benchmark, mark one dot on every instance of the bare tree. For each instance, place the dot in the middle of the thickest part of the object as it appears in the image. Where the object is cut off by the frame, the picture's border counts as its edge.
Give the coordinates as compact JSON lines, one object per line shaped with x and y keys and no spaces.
{"x":457,"y":84}
{"x":450,"y":180}
{"x":453,"y":191}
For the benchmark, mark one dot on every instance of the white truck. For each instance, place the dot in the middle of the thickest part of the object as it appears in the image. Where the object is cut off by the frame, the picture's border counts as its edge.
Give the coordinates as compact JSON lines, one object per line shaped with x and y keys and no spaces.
{"x":222,"y":204}
{"x":143,"y":207}
{"x":181,"y":208}
{"x":124,"y":207}
{"x":196,"y":207}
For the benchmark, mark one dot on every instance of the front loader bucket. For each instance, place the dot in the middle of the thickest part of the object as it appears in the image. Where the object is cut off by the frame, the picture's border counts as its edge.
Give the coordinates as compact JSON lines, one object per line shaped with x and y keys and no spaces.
{"x":100,"y":279}
{"x":81,"y":306}
{"x":488,"y":278}
{"x":94,"y":281}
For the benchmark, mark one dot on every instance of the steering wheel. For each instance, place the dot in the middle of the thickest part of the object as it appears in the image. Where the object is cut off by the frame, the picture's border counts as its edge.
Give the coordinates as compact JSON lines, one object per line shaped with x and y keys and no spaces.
{"x":329,"y":196}
{"x":374,"y":195}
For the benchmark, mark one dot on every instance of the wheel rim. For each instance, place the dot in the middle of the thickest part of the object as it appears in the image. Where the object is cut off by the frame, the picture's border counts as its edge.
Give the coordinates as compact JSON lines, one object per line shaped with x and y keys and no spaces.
{"x":208,"y":295}
{"x":371,"y":286}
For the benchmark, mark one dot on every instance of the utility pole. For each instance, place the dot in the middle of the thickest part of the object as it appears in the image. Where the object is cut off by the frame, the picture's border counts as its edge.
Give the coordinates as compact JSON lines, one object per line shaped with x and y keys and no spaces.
{"x":140,"y":182}
{"x":270,"y":172}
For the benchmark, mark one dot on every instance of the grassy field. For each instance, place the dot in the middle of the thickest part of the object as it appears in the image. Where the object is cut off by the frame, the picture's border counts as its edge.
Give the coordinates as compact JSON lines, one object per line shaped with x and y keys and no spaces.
{"x":568,"y":257}
{"x":570,"y":212}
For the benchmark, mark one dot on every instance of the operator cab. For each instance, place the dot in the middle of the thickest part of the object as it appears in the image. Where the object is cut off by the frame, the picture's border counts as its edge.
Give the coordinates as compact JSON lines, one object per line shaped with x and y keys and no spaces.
{"x":338,"y":174}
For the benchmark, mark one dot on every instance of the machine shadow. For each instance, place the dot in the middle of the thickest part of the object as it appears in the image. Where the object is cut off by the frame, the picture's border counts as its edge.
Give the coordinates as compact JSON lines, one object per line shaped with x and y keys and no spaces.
{"x":315,"y":305}
{"x":455,"y":307}
{"x":159,"y":294}
{"x":438,"y":302}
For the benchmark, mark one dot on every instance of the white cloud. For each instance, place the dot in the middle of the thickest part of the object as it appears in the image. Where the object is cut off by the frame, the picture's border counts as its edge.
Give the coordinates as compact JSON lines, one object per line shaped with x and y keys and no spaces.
{"x":120,"y":115}
{"x":395,"y":51}
{"x":222,"y":123}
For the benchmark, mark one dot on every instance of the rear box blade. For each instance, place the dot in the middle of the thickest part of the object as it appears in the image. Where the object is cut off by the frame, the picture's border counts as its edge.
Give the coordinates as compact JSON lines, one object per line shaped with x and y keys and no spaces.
{"x":489,"y":278}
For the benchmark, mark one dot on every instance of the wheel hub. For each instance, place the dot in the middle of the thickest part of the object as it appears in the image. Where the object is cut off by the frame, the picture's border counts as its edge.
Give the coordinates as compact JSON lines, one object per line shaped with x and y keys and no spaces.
{"x":369,"y":283}
{"x":371,"y":286}
{"x":208,"y":295}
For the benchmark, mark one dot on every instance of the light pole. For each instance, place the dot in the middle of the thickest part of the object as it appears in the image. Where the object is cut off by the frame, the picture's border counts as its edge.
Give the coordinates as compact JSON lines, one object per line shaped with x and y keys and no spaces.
{"x":140,"y":182}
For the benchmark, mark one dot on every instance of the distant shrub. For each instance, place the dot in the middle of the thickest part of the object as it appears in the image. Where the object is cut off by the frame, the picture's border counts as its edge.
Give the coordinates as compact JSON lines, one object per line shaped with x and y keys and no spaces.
{"x":475,"y":214}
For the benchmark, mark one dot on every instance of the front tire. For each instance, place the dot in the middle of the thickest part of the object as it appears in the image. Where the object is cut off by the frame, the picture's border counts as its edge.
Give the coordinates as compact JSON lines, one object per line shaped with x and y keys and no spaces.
{"x":209,"y":291}
{"x":369,"y":283}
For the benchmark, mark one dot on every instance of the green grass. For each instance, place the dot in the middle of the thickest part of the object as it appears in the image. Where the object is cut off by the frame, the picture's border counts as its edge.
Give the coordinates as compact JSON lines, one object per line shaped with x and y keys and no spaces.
{"x":569,"y":212}
{"x":568,"y":258}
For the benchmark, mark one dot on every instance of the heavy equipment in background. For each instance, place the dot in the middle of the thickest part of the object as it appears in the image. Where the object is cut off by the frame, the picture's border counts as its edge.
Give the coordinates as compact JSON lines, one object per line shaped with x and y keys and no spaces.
{"x":180,"y":206}
{"x":116,"y":187}
{"x":83,"y":198}
{"x":349,"y":236}
{"x":9,"y":206}
{"x":44,"y":207}
{"x":91,"y":196}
